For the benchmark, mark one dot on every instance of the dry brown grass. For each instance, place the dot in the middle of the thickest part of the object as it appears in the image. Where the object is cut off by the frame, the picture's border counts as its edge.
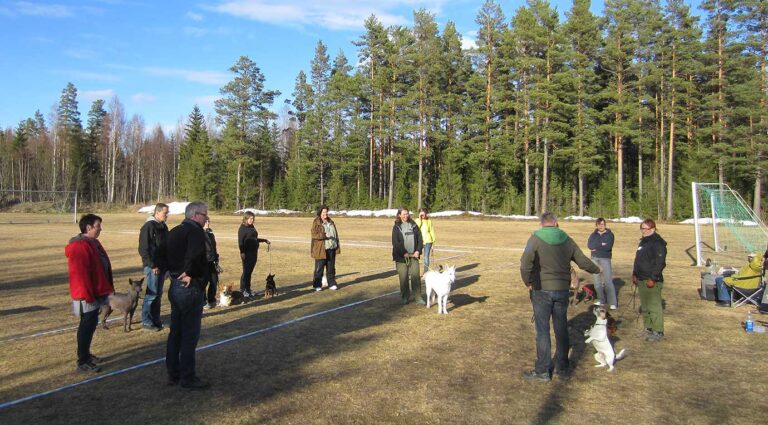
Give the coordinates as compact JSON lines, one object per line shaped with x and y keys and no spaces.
{"x":376,"y":362}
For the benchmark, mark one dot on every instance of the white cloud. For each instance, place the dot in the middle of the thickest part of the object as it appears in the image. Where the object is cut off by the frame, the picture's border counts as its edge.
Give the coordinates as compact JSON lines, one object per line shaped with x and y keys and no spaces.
{"x":194,"y":16}
{"x":330,"y":14}
{"x":469,"y":40}
{"x":45,"y":10}
{"x":195,"y":31}
{"x":206,"y":102}
{"x":82,"y":53}
{"x":143,"y":98}
{"x":205,"y":77}
{"x":92,"y":95}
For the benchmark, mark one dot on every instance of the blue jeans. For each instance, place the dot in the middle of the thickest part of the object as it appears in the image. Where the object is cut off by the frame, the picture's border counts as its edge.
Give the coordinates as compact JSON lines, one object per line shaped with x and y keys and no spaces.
{"x":722,"y":290}
{"x":186,"y":314}
{"x":425,"y":257}
{"x":150,"y":310}
{"x":604,"y":282}
{"x":553,"y":304}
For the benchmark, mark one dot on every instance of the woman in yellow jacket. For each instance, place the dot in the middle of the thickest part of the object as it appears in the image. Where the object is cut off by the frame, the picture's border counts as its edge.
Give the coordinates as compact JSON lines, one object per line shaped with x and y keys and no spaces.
{"x":427,"y":235}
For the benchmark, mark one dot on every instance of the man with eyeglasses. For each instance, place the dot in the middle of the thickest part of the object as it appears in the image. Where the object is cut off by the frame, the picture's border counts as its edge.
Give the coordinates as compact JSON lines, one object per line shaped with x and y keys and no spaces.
{"x":187,"y":266}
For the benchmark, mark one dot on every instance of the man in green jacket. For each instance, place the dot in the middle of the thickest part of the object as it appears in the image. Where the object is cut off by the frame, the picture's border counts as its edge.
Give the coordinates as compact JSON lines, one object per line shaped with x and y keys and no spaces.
{"x":546,"y":271}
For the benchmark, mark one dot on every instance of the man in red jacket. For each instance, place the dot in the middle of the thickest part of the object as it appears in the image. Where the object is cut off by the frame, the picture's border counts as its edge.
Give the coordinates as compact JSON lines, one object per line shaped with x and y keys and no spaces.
{"x":90,"y":283}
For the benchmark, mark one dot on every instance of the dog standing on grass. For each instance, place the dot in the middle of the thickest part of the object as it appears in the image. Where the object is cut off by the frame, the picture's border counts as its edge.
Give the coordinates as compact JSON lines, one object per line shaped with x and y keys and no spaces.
{"x":598,"y":335}
{"x":440,"y":283}
{"x":126,"y":303}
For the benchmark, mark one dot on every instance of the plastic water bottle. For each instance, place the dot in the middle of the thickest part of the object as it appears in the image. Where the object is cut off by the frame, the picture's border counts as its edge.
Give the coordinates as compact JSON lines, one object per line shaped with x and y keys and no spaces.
{"x":749,"y":324}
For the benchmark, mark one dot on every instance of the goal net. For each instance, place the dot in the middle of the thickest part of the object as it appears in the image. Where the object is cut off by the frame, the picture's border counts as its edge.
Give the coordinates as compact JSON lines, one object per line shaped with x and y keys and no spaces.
{"x":727,"y":230}
{"x":38,"y":206}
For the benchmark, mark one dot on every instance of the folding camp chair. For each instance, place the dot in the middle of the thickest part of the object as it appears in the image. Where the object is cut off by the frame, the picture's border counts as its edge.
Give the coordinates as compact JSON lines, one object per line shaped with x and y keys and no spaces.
{"x":741,"y":296}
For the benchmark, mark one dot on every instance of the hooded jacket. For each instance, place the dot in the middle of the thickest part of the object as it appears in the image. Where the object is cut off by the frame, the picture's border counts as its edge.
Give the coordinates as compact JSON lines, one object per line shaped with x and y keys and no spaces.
{"x":748,"y":277}
{"x":90,"y":274}
{"x":546,"y":261}
{"x":650,"y":258}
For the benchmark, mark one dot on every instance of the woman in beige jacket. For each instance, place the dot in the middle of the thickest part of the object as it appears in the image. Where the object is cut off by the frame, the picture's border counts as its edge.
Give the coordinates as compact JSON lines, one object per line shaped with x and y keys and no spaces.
{"x":324,"y":249}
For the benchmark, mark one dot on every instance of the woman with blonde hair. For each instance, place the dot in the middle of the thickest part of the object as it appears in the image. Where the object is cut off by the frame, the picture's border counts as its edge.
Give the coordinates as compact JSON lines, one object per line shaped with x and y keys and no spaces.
{"x":427,"y":235}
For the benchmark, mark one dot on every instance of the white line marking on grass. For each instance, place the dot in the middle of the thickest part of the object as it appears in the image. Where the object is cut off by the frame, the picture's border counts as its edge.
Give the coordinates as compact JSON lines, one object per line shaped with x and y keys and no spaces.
{"x":205,"y":347}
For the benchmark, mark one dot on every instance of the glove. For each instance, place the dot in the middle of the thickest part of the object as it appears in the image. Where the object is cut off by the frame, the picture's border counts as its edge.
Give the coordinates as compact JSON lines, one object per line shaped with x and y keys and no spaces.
{"x":219,"y":270}
{"x":650,"y":283}
{"x":242,"y":256}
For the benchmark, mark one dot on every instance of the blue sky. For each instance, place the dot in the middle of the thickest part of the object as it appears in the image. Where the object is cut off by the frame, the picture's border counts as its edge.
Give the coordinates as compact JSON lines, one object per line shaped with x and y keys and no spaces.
{"x":160,"y":58}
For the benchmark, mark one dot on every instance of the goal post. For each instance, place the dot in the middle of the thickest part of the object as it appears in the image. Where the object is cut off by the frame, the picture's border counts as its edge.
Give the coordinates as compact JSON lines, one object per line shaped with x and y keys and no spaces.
{"x":24,"y":206}
{"x":725,"y":227}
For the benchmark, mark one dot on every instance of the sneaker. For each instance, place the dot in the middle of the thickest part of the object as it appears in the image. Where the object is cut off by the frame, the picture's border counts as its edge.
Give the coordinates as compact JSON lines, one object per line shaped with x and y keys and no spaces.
{"x":318,"y":289}
{"x":597,"y":302}
{"x":95,"y":359}
{"x":152,"y":328}
{"x":405,"y":301}
{"x":206,"y":306}
{"x":645,"y":333}
{"x":88,"y":367}
{"x":563,"y":375}
{"x":531,"y":375}
{"x":333,"y":288}
{"x":613,"y":307}
{"x":655,"y":337}
{"x":722,"y":304}
{"x":173,"y":380}
{"x":195,"y":384}
{"x":421,"y":302}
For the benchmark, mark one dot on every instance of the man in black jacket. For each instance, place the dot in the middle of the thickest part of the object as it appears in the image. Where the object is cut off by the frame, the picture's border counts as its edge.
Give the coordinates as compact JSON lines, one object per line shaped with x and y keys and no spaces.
{"x":546,"y":271}
{"x":151,"y":237}
{"x":187,"y":265}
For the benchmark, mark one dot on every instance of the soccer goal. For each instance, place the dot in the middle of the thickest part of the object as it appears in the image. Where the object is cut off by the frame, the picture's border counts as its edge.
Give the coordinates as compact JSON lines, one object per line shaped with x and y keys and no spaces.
{"x":38,"y":206}
{"x":726,"y":228}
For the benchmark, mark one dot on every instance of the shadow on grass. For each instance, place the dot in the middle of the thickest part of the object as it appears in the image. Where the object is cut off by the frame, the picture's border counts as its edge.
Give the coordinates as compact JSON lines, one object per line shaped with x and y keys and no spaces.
{"x":30,"y":309}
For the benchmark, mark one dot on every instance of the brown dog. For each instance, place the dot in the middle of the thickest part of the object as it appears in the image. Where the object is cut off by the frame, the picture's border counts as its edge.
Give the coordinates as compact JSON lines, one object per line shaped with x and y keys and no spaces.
{"x":124,"y":302}
{"x":271,"y":288}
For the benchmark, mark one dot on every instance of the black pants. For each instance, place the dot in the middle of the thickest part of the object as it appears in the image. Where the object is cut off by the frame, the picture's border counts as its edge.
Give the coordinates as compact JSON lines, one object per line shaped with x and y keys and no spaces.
{"x":85,"y":331}
{"x":212,"y":281}
{"x":329,"y":265}
{"x":249,"y":263}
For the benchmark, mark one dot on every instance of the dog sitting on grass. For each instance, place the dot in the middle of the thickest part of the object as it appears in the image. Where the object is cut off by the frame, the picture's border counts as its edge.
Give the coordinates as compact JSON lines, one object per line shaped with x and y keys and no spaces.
{"x":124,"y":302}
{"x":228,"y":297}
{"x":598,"y":336}
{"x":270,"y":288}
{"x":440,"y":283}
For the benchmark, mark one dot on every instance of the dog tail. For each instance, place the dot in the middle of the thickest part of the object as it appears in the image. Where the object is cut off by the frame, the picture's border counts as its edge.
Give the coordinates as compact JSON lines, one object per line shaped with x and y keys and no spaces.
{"x":620,"y":355}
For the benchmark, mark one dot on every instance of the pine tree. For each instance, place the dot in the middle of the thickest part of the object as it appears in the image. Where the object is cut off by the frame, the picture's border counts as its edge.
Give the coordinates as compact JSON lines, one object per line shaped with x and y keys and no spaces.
{"x":94,"y":142}
{"x":70,"y":130}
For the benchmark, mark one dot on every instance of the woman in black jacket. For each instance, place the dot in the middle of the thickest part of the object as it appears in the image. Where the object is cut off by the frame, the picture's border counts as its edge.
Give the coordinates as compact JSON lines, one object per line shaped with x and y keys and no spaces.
{"x":650,"y":260}
{"x":248,"y":240}
{"x":406,"y":248}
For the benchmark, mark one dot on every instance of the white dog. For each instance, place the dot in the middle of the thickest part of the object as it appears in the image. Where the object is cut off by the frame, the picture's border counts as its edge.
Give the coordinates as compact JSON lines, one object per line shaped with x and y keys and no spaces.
{"x":440,"y":283}
{"x":598,"y":336}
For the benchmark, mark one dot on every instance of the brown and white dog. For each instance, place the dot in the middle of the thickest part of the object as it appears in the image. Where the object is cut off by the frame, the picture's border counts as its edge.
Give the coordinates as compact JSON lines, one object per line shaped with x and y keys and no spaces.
{"x":598,"y":334}
{"x":228,"y":297}
{"x":124,"y":302}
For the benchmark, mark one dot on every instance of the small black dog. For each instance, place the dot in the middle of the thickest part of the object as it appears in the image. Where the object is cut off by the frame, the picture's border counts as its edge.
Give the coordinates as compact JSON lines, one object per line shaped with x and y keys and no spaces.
{"x":271,"y":288}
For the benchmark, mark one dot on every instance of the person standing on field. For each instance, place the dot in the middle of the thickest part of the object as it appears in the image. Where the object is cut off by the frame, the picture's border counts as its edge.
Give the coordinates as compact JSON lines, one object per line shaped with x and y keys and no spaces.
{"x":248,"y":241}
{"x":406,"y":248}
{"x":427,"y":235}
{"x":545,"y":268}
{"x":151,"y":236}
{"x":325,"y":247}
{"x":650,"y":261}
{"x":600,"y":245}
{"x":90,"y":283}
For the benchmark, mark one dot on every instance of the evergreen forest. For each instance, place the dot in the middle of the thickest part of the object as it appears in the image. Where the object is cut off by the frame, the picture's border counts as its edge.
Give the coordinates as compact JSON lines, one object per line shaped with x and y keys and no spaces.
{"x":580,"y":114}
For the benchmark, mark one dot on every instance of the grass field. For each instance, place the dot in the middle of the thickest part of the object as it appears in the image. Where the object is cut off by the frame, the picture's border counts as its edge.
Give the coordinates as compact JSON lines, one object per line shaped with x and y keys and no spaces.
{"x":356,"y":355}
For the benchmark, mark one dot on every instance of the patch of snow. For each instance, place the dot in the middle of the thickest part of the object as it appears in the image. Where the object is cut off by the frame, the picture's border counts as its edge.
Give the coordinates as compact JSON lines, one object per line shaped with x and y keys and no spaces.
{"x":580,"y":218}
{"x":173,"y":208}
{"x":627,"y":220}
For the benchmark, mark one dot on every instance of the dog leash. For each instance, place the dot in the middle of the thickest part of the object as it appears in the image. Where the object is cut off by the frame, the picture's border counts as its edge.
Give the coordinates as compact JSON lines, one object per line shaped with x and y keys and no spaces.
{"x":269,"y":250}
